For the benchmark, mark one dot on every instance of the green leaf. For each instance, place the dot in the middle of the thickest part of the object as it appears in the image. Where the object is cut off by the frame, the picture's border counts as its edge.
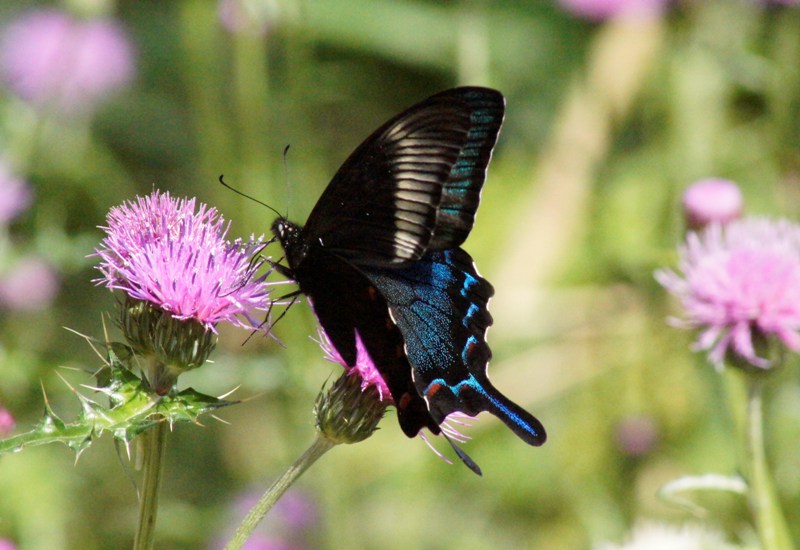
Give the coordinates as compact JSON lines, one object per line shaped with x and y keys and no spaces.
{"x":133,"y":408}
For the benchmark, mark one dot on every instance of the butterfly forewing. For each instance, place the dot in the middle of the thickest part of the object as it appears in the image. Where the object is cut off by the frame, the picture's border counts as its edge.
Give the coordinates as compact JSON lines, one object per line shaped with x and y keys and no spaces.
{"x":414,"y":184}
{"x":461,"y":192}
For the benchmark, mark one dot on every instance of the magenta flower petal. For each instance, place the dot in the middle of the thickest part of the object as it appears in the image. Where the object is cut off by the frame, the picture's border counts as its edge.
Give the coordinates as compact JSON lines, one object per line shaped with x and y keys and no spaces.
{"x":49,"y":58}
{"x":164,"y":251}
{"x":364,"y":368}
{"x":738,"y":284}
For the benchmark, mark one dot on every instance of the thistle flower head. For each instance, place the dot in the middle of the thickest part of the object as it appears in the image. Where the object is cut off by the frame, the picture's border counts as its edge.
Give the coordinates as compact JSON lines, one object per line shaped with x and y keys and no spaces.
{"x":352,"y":407}
{"x":166,"y":252}
{"x":181,"y":277}
{"x":364,"y":369}
{"x":739,"y":284}
{"x":350,"y":410}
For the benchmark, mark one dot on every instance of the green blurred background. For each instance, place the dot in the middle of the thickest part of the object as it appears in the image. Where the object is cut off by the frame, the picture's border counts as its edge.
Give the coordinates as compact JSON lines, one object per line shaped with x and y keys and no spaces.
{"x":606,"y":123}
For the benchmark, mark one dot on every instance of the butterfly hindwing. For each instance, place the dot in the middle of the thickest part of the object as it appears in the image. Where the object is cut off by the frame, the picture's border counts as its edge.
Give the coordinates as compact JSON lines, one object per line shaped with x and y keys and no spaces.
{"x":440,"y":305}
{"x":414,"y":184}
{"x":325,"y":279}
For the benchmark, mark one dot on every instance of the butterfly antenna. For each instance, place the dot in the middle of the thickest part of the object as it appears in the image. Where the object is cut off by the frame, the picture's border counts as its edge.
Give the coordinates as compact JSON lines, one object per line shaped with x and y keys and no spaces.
{"x":245,"y":195}
{"x":294,"y":296}
{"x":468,"y":462}
{"x":286,"y":178}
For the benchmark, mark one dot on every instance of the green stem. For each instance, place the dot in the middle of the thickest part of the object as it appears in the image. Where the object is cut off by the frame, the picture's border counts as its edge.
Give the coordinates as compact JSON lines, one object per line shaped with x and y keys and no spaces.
{"x":155,"y":442}
{"x":320,"y":446}
{"x":770,"y":521}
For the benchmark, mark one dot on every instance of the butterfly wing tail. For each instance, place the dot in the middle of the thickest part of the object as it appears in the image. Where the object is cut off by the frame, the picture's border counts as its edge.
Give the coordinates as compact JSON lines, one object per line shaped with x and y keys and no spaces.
{"x":487,"y":398}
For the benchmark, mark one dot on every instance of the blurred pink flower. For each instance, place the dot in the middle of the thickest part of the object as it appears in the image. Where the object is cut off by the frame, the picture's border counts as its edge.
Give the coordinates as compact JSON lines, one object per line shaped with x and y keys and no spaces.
{"x":51,"y":59}
{"x":637,"y":435}
{"x":15,"y":194}
{"x":739,"y":284}
{"x":711,"y":200}
{"x":604,"y":9}
{"x":6,"y":544}
{"x":7,"y":424}
{"x":30,"y":285}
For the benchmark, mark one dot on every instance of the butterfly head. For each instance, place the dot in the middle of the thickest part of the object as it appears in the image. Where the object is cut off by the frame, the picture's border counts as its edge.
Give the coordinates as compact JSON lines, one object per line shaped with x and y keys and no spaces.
{"x":290,"y":236}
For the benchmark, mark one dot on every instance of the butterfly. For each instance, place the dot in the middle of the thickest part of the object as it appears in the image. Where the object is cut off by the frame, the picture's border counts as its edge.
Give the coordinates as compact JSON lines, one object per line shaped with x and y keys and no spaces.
{"x":380,"y":256}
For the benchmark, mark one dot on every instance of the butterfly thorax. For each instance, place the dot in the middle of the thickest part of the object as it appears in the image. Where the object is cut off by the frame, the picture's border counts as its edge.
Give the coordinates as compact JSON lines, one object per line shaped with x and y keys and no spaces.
{"x":290,"y":235}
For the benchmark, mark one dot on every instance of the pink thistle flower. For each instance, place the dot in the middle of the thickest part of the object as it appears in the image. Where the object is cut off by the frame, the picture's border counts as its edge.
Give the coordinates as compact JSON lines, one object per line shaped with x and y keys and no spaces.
{"x":598,"y":10}
{"x":164,"y":251}
{"x":369,"y":375}
{"x":364,"y":368}
{"x":711,"y":200}
{"x":739,"y":284}
{"x":51,"y":59}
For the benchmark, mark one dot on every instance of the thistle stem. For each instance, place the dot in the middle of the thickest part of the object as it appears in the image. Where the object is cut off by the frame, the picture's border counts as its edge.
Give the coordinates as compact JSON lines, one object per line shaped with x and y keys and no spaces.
{"x":155,"y":442}
{"x":321,"y":445}
{"x":770,"y":521}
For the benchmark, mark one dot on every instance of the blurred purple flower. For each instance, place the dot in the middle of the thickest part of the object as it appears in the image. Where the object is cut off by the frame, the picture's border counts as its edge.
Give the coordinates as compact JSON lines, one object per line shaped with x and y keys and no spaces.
{"x":637,"y":435}
{"x":6,"y":544}
{"x":268,"y":542}
{"x":711,"y":200}
{"x":15,"y":194}
{"x":7,"y":424}
{"x":740,"y":286}
{"x":160,"y":250}
{"x":364,"y":368}
{"x":51,"y":59}
{"x":30,"y":285}
{"x":289,"y":525}
{"x":246,"y":16}
{"x":598,"y":10}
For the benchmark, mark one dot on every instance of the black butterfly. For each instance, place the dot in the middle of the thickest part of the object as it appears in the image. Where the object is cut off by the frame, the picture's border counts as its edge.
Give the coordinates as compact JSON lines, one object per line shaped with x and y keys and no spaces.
{"x":380,"y":256}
